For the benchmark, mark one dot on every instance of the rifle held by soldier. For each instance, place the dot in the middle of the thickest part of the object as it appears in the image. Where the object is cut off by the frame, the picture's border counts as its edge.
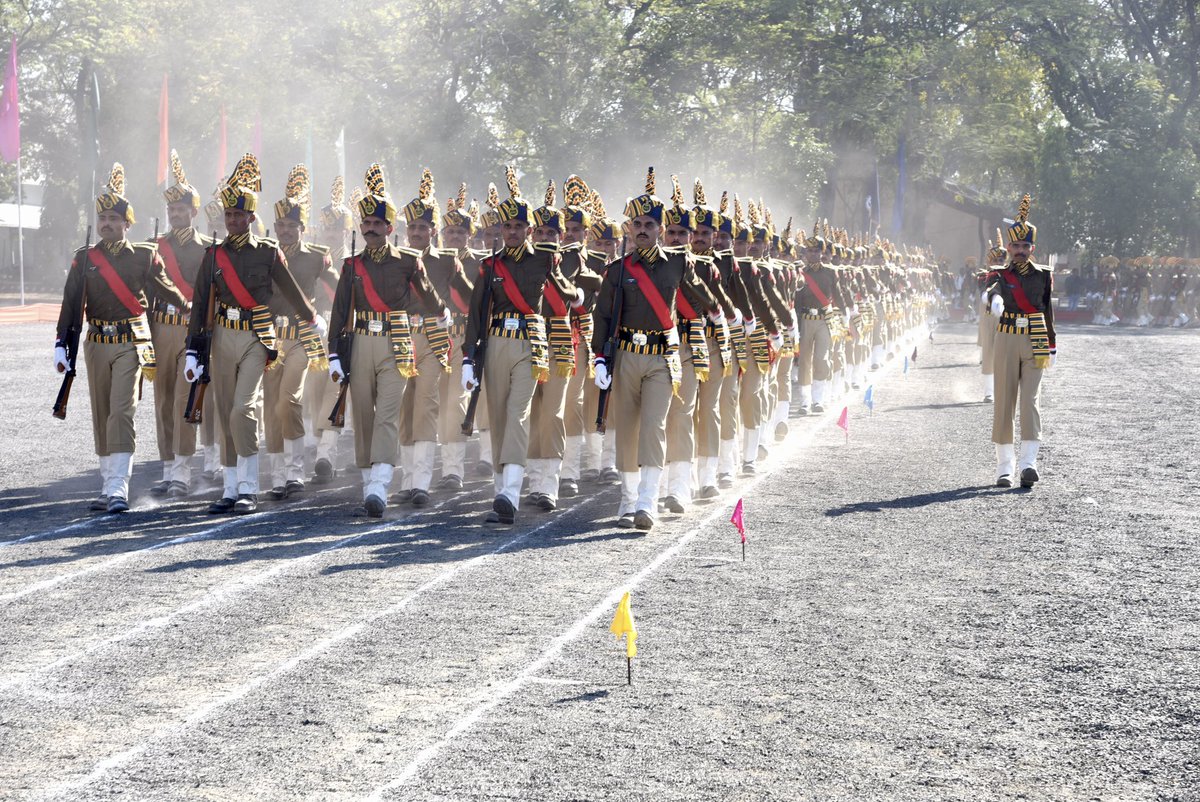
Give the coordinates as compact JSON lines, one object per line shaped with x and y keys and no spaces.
{"x":479,"y":357}
{"x":609,"y":352}
{"x":194,"y":412}
{"x":345,"y":347}
{"x":73,"y":332}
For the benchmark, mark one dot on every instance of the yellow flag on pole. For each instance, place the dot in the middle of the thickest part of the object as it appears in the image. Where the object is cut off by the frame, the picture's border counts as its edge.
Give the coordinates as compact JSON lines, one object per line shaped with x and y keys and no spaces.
{"x":622,"y":624}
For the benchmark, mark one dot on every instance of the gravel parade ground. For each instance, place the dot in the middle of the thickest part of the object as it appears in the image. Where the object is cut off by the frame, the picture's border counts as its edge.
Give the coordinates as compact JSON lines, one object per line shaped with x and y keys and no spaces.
{"x":900,"y":629}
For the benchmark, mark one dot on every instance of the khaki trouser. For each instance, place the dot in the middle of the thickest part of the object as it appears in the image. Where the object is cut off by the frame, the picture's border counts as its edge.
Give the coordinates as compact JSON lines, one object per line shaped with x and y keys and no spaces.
{"x":452,"y":398}
{"x":548,"y":430}
{"x":1015,"y":376}
{"x":112,"y":371}
{"x":814,"y":352}
{"x":508,"y":377}
{"x":879,"y":327}
{"x":987,"y":339}
{"x":283,"y":395}
{"x":419,"y":406}
{"x":576,"y":416}
{"x":750,"y":398}
{"x":176,"y":438}
{"x":377,"y":389}
{"x":707,"y":420}
{"x":591,"y":407}
{"x":783,"y":381}
{"x":238,"y":362}
{"x":731,"y":386}
{"x":320,"y":394}
{"x":681,"y":415}
{"x":641,"y":396}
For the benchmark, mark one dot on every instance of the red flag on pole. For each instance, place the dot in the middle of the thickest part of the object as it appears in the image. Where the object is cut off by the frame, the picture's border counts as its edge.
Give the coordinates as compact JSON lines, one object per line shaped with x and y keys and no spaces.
{"x":164,"y":139}
{"x":10,"y":120}
{"x":739,"y":519}
{"x":223,"y":152}
{"x":843,"y":421}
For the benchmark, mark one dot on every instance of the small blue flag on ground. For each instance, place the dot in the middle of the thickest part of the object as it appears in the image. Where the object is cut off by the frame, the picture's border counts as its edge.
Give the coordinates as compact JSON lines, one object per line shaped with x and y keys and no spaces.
{"x":906,"y":366}
{"x":869,"y":398}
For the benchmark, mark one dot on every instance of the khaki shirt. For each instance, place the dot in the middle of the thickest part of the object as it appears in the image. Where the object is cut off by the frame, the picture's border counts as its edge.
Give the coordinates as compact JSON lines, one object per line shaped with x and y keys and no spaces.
{"x":139,"y":267}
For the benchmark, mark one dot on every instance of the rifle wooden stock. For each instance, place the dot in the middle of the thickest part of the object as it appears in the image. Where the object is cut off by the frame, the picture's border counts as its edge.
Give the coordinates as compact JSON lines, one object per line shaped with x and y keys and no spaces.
{"x":479,"y":357}
{"x":345,"y":347}
{"x":609,"y":351}
{"x":73,"y":334}
{"x":194,"y":412}
{"x":337,"y":418}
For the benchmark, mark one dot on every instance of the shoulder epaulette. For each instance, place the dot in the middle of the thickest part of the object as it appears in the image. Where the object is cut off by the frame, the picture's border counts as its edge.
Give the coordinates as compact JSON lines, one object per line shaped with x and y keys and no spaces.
{"x":315,"y":248}
{"x":570,"y":246}
{"x":400,"y":249}
{"x":146,"y":245}
{"x":681,"y":249}
{"x":547,"y":247}
{"x":704,"y":258}
{"x":478,"y":253}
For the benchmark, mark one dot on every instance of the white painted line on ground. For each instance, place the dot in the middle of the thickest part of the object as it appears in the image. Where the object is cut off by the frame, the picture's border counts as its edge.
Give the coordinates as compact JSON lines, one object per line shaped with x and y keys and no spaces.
{"x":60,"y":531}
{"x":606,"y":605}
{"x":214,"y":596}
{"x":115,"y":761}
{"x":203,"y":534}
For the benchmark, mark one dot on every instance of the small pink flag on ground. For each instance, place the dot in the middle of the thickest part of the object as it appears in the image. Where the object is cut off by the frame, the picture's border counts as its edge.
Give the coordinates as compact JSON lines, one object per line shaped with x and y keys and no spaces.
{"x":843,"y":421}
{"x":739,"y":519}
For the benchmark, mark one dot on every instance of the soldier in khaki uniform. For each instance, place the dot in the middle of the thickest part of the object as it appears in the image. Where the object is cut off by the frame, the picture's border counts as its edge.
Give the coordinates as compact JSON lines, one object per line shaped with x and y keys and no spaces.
{"x":996,"y":256}
{"x":242,"y":278}
{"x":334,"y":224}
{"x":455,"y":285}
{"x":548,"y":431}
{"x":606,"y":239}
{"x":647,"y":372}
{"x":110,"y":284}
{"x":431,"y":350}
{"x":301,"y":350}
{"x":182,"y":250}
{"x":1020,"y":298}
{"x":513,"y":318}
{"x":375,"y":292}
{"x":814,"y":303}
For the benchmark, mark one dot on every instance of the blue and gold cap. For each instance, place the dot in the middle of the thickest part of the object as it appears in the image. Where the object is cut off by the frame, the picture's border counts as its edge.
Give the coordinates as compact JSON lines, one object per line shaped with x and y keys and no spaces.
{"x":492,"y":216}
{"x":678,"y":214}
{"x":457,"y":214}
{"x":375,"y":201}
{"x":242,"y":188}
{"x":576,"y":197}
{"x":296,"y":197}
{"x":337,"y":214}
{"x":742,"y":230}
{"x":702,"y":213}
{"x":603,"y":227}
{"x":725,"y":221}
{"x":549,"y":215}
{"x":647,"y":204}
{"x":425,"y":205}
{"x":112,"y":199}
{"x":514,"y":207}
{"x":1022,"y":230}
{"x":181,"y":191}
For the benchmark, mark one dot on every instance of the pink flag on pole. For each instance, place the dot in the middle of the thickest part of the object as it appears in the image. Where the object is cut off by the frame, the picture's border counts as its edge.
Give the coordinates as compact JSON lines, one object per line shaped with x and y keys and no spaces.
{"x":738,"y":519}
{"x":164,"y":138}
{"x":843,"y":421}
{"x":10,"y":120}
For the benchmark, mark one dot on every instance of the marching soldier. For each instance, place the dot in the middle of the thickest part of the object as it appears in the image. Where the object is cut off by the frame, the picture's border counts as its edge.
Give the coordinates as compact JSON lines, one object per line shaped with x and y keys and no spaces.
{"x":508,"y":308}
{"x":182,"y":250}
{"x":814,"y":302}
{"x":1020,"y":297}
{"x":987,"y":324}
{"x":647,"y":370}
{"x":459,"y":226}
{"x":110,"y":285}
{"x":375,"y":293}
{"x":431,"y":349}
{"x":335,"y":222}
{"x":301,"y":352}
{"x":237,"y":286}
{"x":600,"y":450}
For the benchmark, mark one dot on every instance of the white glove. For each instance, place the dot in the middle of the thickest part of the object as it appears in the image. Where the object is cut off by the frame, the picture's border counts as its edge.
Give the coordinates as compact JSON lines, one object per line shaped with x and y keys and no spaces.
{"x":751,"y":325}
{"x":846,"y":318}
{"x":795,"y":320}
{"x":321,"y":326}
{"x":1053,"y":356}
{"x":983,"y":297}
{"x":468,"y":377}
{"x":794,"y":331}
{"x":997,"y":306}
{"x":777,"y":341}
{"x":717,"y":317}
{"x":673,"y":336}
{"x":737,"y":318}
{"x":60,"y":359}
{"x":192,"y":369}
{"x":578,"y":304}
{"x":603,"y":380}
{"x":444,"y":320}
{"x":335,"y":370}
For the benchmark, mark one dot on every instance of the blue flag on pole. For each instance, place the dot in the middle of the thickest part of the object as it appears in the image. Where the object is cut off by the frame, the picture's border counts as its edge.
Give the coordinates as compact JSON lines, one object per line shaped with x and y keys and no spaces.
{"x":906,"y":365}
{"x":869,"y":398}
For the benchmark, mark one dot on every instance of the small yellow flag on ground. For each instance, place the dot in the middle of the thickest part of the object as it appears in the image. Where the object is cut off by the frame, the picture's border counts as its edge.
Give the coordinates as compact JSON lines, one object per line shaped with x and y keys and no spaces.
{"x":622,"y":624}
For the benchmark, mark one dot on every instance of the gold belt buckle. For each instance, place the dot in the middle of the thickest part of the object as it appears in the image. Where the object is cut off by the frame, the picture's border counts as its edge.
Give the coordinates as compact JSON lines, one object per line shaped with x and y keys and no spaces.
{"x":108,"y":330}
{"x":511,"y":324}
{"x":375,"y":326}
{"x":639,"y":339}
{"x":233,"y":313}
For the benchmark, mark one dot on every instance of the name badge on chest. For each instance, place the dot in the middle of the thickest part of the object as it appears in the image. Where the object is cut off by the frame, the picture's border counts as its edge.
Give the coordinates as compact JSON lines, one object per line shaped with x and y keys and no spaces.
{"x":638,"y":338}
{"x":512,"y":324}
{"x":375,"y":326}
{"x":233,"y":313}
{"x":1022,"y":322}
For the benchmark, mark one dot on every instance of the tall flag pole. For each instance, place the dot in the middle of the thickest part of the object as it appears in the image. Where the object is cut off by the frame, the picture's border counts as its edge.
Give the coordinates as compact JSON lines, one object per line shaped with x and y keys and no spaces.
{"x":164,"y":137}
{"x":10,"y":146}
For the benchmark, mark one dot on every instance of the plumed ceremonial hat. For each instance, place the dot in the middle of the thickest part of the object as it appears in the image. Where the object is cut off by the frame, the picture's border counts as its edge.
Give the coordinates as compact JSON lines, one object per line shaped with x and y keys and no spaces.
{"x":375,"y":201}
{"x":548,"y":214}
{"x":647,"y":204}
{"x":112,"y":199}
{"x":425,"y":205}
{"x":1021,"y":229}
{"x":181,"y":191}
{"x":297,"y":197}
{"x":242,"y":188}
